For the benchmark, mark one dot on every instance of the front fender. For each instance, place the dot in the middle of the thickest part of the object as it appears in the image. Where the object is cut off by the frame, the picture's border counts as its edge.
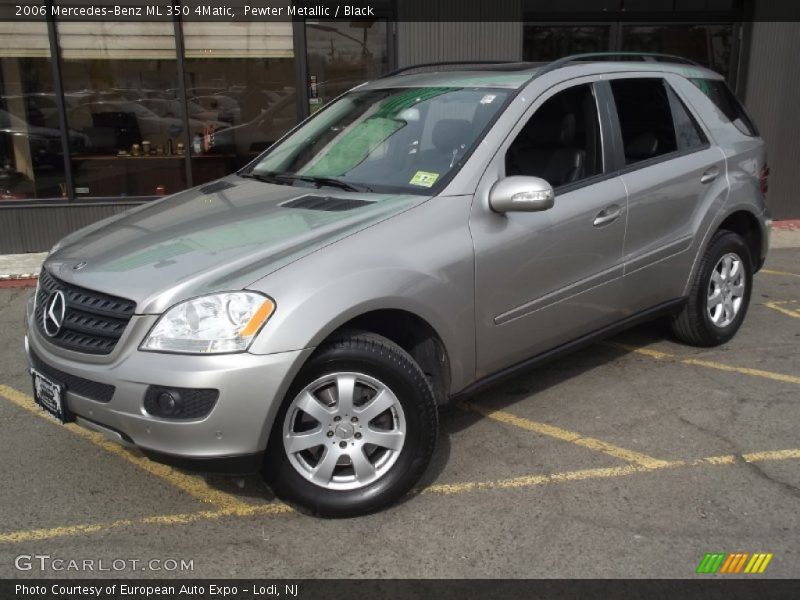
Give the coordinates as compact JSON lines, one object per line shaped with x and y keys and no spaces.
{"x":305,"y":318}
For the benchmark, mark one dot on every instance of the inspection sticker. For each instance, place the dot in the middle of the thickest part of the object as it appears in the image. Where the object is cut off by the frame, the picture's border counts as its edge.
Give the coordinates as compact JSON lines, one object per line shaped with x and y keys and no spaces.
{"x":424,"y":178}
{"x":488,"y":99}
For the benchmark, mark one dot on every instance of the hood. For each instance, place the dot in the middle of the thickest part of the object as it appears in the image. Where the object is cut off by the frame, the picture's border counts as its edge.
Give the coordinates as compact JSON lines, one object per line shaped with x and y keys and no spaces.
{"x":221,"y":236}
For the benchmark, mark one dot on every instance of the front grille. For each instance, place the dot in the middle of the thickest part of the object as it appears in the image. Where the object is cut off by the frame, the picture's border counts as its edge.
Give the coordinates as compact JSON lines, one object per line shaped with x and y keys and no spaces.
{"x":190,"y":403}
{"x":93,"y":321}
{"x":101,"y":392}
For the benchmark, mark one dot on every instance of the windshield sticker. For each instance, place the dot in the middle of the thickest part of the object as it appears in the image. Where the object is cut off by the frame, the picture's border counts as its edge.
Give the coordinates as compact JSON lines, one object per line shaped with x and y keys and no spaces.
{"x":488,"y":99}
{"x":424,"y":178}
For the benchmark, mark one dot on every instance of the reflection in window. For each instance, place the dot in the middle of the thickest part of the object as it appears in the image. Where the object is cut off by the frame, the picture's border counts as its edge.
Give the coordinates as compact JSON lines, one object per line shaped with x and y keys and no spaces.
{"x":390,"y":140}
{"x":342,"y":54}
{"x":31,"y":155}
{"x":240,"y":91}
{"x":120,"y":91}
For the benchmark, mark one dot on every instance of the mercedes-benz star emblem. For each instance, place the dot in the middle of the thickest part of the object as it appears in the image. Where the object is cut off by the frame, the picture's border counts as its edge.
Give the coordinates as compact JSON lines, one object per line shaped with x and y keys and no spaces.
{"x":80,"y":265}
{"x":53,"y":316}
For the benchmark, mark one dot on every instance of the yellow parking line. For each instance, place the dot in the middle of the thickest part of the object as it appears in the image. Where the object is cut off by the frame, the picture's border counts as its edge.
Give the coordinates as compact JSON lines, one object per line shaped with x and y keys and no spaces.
{"x":709,"y":364}
{"x":526,"y":481}
{"x":195,"y":486}
{"x":784,"y":273}
{"x":32,"y":535}
{"x":566,"y":436}
{"x":776,"y":305}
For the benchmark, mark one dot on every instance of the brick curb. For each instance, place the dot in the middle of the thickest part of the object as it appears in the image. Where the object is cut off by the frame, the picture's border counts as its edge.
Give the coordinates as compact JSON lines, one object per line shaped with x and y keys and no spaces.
{"x":787,"y":225}
{"x":17,"y":282}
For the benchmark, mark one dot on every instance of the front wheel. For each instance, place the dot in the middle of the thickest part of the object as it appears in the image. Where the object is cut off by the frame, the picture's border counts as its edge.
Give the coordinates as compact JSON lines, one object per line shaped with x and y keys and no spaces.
{"x":356,"y":431}
{"x":719,"y":295}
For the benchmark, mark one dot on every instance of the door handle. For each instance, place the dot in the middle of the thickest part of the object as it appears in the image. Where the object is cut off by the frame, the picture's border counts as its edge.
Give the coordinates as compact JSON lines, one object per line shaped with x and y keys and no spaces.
{"x":608,"y":215}
{"x":710,"y":175}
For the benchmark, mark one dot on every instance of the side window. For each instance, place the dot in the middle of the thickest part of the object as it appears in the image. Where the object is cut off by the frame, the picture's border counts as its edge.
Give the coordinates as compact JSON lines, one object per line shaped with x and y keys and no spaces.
{"x":722,"y":96}
{"x":645,"y":118}
{"x":561,"y":141}
{"x":688,"y":134}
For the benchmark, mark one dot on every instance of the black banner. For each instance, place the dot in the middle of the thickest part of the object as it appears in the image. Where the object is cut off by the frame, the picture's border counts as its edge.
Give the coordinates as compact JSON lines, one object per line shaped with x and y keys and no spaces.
{"x":400,"y":10}
{"x":403,"y":589}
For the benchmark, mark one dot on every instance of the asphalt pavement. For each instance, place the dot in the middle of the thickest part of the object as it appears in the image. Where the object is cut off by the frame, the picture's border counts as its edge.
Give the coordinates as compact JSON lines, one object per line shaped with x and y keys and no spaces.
{"x":632,"y":458}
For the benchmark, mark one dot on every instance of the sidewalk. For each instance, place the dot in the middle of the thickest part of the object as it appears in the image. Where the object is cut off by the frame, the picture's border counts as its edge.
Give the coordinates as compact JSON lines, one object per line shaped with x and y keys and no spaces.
{"x":20,"y":270}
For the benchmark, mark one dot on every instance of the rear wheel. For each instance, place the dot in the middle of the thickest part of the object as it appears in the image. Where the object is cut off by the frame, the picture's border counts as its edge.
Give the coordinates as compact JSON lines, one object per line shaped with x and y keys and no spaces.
{"x":356,"y":431}
{"x":720,"y":293}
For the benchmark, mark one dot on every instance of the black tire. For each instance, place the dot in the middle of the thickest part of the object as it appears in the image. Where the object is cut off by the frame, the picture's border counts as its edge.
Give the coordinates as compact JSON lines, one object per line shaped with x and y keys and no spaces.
{"x":383,"y":360}
{"x":693,"y":325}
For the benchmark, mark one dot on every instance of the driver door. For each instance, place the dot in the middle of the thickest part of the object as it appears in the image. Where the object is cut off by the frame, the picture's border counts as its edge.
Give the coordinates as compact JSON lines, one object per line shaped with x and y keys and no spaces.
{"x":546,"y":278}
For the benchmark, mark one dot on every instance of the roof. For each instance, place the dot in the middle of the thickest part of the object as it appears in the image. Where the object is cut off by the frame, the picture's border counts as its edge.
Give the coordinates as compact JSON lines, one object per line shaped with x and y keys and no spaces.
{"x":517,"y":74}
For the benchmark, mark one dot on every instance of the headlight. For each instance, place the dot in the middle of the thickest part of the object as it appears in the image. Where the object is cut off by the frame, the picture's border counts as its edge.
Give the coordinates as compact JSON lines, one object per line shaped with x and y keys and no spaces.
{"x":213,"y":324}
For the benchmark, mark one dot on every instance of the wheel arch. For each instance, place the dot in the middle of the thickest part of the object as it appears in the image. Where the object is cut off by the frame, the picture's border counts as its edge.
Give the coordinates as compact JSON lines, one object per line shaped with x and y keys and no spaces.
{"x":746,"y":224}
{"x":742,"y":220}
{"x":412,"y":333}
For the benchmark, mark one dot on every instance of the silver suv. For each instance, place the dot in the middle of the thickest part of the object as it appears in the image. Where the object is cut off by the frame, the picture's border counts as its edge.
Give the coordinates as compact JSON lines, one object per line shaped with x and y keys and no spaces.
{"x":422,"y":236}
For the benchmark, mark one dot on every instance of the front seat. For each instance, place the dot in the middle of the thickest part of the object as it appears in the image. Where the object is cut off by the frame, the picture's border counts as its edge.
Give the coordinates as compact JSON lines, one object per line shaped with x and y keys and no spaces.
{"x":549,"y":151}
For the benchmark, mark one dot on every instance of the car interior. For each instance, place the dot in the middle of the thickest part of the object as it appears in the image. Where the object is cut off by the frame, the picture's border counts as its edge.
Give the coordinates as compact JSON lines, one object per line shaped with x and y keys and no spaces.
{"x":645,"y":118}
{"x":561,"y":141}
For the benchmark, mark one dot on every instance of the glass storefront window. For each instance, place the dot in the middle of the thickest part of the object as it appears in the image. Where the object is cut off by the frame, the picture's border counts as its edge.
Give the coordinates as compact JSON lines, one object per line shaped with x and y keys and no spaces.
{"x":342,"y":54}
{"x":122,"y":102}
{"x":31,"y":156}
{"x":545,"y":43}
{"x":709,"y":45}
{"x":240,"y":91}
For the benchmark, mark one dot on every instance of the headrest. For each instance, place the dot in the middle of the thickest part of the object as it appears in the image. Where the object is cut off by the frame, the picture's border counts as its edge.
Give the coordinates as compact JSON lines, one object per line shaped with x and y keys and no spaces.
{"x":567,"y":134}
{"x":450,"y":133}
{"x":554,"y":132}
{"x":642,"y":147}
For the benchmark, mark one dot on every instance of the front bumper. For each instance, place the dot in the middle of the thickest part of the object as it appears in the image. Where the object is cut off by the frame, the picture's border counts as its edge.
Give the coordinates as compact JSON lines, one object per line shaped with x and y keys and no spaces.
{"x":235,"y":432}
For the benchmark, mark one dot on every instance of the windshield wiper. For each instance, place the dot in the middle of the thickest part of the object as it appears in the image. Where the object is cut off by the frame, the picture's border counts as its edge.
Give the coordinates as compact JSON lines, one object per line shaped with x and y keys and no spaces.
{"x":332,"y":182}
{"x":287,"y":179}
{"x":268,"y":178}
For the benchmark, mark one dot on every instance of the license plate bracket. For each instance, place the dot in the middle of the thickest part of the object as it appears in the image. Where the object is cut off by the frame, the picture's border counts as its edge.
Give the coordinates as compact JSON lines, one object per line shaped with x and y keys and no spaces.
{"x":51,"y":396}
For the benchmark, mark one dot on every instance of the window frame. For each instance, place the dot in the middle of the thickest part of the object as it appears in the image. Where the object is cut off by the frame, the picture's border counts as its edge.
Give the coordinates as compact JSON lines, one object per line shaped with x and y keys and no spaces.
{"x":622,"y":166}
{"x":606,"y":149}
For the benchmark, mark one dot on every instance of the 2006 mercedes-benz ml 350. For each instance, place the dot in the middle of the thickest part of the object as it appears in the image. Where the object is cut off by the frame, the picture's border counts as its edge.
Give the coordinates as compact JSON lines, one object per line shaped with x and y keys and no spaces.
{"x":418,"y":238}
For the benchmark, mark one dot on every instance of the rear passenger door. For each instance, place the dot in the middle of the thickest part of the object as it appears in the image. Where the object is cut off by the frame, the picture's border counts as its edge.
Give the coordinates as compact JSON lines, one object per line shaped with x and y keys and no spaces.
{"x":672,"y":174}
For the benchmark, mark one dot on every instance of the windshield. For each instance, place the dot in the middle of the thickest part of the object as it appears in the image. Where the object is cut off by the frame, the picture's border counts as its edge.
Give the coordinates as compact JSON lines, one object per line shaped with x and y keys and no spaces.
{"x":406,"y":140}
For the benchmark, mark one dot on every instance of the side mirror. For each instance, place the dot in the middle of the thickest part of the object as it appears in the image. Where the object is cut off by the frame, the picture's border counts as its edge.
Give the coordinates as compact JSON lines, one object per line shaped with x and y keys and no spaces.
{"x":521,"y":194}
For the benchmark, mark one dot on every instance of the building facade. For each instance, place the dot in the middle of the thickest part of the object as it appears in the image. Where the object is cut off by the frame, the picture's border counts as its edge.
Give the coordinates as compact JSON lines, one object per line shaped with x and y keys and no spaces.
{"x":95,"y":118}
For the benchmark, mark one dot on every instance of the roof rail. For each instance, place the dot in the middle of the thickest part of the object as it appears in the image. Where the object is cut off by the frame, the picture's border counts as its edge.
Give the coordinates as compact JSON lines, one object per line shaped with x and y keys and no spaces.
{"x":452,"y":63}
{"x":550,"y":66}
{"x":645,"y":56}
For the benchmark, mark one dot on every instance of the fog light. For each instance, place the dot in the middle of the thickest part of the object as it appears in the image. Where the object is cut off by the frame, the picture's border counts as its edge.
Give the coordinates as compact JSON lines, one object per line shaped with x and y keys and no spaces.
{"x":179,"y":403}
{"x":166,"y":403}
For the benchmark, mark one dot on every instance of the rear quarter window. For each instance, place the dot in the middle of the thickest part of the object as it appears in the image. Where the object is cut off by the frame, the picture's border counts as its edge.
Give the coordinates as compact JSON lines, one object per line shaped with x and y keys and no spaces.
{"x":721,"y":95}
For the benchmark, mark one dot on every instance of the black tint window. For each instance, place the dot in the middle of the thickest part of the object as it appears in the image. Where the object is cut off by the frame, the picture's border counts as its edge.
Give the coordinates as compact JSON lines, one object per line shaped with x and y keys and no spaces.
{"x":721,"y":95}
{"x":561,"y":141}
{"x":645,"y":118}
{"x":687,"y":133}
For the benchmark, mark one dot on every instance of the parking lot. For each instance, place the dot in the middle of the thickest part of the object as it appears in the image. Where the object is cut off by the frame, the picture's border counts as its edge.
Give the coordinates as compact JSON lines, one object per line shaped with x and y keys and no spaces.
{"x":632,"y":458}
